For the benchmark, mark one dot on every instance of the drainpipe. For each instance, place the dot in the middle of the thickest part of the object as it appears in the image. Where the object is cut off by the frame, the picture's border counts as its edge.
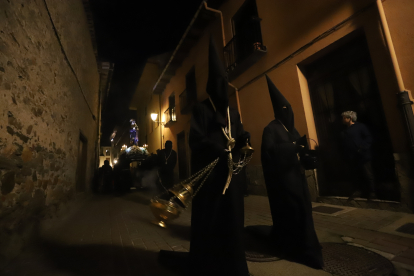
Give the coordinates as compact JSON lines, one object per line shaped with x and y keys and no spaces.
{"x":224,"y":45}
{"x":403,"y":96}
{"x":237,"y":99}
{"x":221,"y":18}
{"x":160,"y":120}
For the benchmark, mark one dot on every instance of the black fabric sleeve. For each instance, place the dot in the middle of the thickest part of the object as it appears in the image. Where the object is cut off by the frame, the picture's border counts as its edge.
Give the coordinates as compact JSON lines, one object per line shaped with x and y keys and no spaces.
{"x":282,"y":153}
{"x":366,"y":137}
{"x":159,"y":158}
{"x":198,"y":139}
{"x":173,"y":159}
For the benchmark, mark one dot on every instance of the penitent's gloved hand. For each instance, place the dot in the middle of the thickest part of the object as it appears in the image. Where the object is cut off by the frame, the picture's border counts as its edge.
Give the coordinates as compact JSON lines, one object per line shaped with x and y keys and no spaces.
{"x":301,"y":144}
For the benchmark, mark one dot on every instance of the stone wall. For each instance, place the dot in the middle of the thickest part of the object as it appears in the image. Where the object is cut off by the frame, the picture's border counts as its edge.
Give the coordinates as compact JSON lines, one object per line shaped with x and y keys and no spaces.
{"x":49,"y":86}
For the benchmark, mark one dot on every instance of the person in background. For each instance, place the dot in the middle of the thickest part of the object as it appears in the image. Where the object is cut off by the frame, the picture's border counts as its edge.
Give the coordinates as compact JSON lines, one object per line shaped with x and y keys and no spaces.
{"x":106,"y":177}
{"x":167,"y":159}
{"x":356,"y":141}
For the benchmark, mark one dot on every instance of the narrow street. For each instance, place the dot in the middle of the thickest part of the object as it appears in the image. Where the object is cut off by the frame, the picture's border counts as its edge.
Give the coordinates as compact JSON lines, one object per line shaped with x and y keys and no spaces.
{"x":98,"y":95}
{"x":112,"y":235}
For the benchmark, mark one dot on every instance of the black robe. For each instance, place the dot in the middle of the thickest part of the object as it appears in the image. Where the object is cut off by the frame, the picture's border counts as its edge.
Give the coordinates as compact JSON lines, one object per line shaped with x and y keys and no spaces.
{"x":217,"y":220}
{"x":293,"y":233}
{"x":166,"y":161}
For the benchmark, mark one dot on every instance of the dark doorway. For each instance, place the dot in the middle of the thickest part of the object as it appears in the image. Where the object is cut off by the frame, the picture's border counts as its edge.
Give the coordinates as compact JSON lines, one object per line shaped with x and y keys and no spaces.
{"x":342,"y":80}
{"x":81,"y":167}
{"x":182,"y":156}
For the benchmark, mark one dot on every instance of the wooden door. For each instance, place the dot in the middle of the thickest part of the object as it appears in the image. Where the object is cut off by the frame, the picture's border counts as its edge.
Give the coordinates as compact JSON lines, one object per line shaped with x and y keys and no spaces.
{"x":340,"y":81}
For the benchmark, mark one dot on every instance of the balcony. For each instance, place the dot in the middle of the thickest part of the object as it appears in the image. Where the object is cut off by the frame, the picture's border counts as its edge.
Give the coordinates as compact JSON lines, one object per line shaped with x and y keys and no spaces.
{"x":187,"y":102}
{"x":244,"y":49}
{"x":170,"y":116}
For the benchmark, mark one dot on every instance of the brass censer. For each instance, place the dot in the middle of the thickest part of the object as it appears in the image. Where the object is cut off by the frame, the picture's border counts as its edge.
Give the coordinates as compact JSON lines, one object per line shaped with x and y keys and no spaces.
{"x":183,"y":193}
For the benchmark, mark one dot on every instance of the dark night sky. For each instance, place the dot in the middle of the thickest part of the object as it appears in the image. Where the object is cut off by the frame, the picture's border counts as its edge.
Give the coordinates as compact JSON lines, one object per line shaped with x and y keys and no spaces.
{"x":127,"y":33}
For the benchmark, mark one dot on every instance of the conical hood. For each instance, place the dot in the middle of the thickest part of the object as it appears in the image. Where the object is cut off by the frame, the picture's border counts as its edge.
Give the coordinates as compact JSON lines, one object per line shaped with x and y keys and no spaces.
{"x":281,"y":107}
{"x":217,"y":84}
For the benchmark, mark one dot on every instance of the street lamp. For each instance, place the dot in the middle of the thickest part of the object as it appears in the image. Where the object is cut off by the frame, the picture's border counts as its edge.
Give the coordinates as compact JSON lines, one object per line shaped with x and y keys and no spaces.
{"x":154,"y":116}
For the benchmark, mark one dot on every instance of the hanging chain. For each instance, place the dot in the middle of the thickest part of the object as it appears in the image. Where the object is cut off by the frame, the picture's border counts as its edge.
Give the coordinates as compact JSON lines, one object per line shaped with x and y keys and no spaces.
{"x":234,"y":168}
{"x":210,"y":169}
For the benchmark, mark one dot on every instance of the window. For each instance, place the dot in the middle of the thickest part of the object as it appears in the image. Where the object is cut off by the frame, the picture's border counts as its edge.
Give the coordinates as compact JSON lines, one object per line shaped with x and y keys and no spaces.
{"x":169,"y":114}
{"x":189,"y":96}
{"x":190,"y":84}
{"x":246,"y":46}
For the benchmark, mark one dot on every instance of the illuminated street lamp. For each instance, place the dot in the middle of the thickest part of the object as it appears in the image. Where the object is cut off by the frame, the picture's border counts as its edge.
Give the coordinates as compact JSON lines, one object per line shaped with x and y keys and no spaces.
{"x":154,"y":116}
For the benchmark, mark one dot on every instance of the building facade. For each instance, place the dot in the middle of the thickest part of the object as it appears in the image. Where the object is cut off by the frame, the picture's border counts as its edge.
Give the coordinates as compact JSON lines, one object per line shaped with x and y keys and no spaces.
{"x":326,"y":58}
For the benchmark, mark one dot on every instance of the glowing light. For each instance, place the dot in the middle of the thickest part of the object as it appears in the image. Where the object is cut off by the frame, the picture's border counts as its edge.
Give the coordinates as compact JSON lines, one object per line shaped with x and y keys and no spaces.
{"x":115,"y":161}
{"x":124,"y":147}
{"x":154,"y":116}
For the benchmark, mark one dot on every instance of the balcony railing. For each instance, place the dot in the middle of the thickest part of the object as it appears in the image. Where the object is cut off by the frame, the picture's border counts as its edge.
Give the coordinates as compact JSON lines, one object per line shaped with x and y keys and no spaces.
{"x":187,"y":102}
{"x":244,"y":49}
{"x":170,"y":116}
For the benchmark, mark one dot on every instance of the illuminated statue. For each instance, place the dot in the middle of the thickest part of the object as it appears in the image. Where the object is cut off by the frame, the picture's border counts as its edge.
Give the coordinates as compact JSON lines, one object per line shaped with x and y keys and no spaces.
{"x":133,"y":133}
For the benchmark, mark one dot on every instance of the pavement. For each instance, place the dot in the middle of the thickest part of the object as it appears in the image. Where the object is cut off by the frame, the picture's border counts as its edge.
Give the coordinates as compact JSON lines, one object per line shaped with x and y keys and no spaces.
{"x":113,"y":235}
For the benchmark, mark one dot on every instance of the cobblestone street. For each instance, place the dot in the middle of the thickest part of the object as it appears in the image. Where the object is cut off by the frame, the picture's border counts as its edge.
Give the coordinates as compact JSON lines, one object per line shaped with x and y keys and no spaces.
{"x":112,"y":235}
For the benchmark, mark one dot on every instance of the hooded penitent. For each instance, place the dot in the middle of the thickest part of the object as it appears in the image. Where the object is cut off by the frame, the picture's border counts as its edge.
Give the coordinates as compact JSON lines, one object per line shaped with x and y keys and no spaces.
{"x":281,"y":107}
{"x":292,"y":234}
{"x":217,"y":84}
{"x":217,"y":220}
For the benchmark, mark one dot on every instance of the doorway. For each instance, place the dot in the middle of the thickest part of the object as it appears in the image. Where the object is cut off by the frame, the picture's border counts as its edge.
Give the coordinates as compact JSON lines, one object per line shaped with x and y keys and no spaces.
{"x":182,"y":156}
{"x":343,"y":80}
{"x":82,"y":163}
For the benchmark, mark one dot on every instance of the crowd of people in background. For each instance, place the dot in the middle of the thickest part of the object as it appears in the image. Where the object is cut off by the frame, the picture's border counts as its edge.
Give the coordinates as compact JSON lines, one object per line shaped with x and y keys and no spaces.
{"x":122,"y":177}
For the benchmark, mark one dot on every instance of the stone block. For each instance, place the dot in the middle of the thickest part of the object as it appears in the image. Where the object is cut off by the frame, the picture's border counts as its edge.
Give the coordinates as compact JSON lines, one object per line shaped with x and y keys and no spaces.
{"x":25,"y":171}
{"x":7,"y":182}
{"x":26,"y":154}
